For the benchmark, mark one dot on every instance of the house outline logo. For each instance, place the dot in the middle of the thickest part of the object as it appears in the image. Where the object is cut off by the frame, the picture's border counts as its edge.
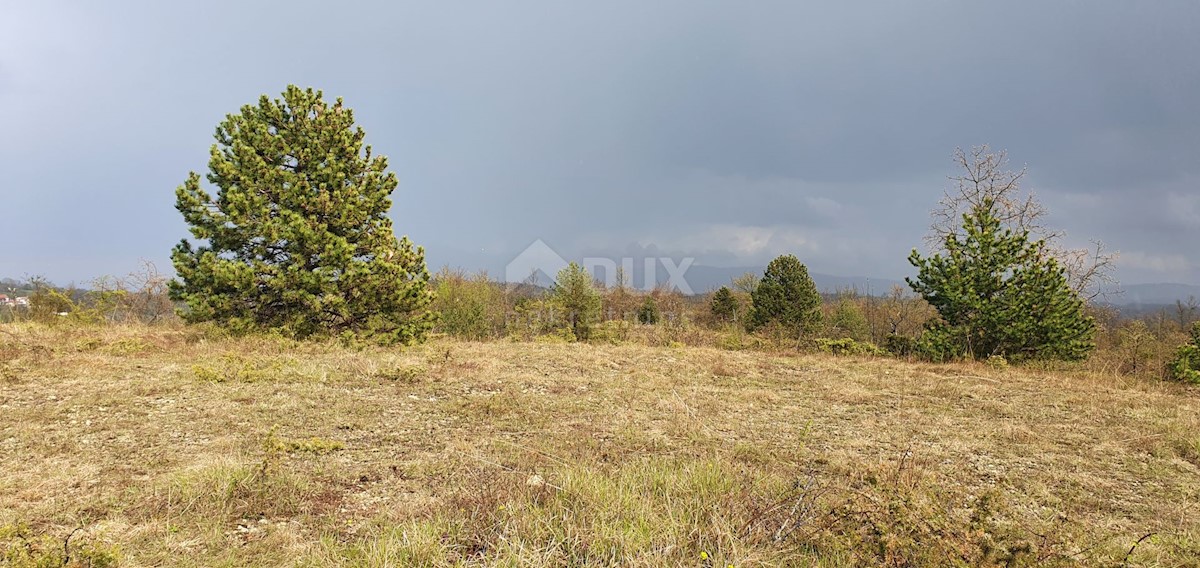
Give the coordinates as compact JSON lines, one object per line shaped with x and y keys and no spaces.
{"x":537,"y":257}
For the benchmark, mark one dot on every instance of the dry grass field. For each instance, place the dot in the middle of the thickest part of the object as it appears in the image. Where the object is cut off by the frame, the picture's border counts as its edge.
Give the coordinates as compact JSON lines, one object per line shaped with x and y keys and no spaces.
{"x":175,"y":447}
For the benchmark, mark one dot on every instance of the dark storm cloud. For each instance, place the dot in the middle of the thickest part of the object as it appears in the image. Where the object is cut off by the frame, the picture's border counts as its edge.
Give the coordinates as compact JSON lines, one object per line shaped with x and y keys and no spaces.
{"x":728,"y":132}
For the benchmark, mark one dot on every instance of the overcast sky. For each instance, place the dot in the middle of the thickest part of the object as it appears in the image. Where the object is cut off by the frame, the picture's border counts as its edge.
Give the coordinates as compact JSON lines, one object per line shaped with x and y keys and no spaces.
{"x":731,"y":132}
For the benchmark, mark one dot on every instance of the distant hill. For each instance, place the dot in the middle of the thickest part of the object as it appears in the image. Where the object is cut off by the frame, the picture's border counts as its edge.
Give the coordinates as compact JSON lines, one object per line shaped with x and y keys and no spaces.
{"x":707,"y":278}
{"x":1138,"y":296}
{"x":1154,"y":294}
{"x":15,"y":288}
{"x":704,"y":279}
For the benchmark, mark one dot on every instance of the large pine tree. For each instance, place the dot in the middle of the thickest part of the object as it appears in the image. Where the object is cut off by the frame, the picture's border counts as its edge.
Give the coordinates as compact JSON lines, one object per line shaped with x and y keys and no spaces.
{"x":297,"y":236}
{"x":999,"y":293}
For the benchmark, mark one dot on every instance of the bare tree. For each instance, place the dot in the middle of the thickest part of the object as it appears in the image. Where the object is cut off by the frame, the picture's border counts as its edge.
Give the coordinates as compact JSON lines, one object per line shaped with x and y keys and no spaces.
{"x":1185,"y":312}
{"x":898,"y":307}
{"x":149,"y":299}
{"x":1089,"y":270}
{"x":985,"y":178}
{"x":986,"y":181}
{"x":746,"y":283}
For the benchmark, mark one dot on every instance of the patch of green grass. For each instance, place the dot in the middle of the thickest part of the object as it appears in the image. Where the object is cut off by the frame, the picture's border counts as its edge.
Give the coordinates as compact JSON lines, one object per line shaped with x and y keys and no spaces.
{"x":22,"y":547}
{"x":233,"y":367}
{"x":127,"y":346}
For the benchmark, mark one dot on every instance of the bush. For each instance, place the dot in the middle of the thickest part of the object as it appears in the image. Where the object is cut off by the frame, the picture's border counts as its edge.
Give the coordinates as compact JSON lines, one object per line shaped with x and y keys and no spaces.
{"x":847,"y":346}
{"x":620,"y":301}
{"x":1186,"y":364}
{"x":997,"y":362}
{"x":613,"y":332}
{"x":723,"y":306}
{"x":648,"y":314}
{"x":534,"y":317}
{"x":899,"y":345}
{"x":468,"y":307}
{"x":1139,"y":351}
{"x":52,"y":305}
{"x":47,"y":304}
{"x":846,"y":319}
{"x":940,"y":344}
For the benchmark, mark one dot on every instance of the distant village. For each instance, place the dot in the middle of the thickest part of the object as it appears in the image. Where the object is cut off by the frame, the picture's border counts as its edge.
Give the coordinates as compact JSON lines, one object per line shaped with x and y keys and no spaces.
{"x":15,"y":293}
{"x":6,"y":300}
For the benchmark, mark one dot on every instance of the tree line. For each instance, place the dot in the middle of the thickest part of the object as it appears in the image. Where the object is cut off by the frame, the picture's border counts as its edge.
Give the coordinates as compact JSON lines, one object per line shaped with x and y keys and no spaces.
{"x":296,"y":239}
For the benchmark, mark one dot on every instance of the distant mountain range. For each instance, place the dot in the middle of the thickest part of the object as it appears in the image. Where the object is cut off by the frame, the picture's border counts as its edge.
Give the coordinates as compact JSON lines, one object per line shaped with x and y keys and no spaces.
{"x":1154,"y":294}
{"x":707,"y":278}
{"x":703,"y":279}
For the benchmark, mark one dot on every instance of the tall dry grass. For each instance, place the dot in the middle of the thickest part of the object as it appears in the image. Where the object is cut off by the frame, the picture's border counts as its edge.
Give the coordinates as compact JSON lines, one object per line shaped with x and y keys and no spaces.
{"x":182,"y":446}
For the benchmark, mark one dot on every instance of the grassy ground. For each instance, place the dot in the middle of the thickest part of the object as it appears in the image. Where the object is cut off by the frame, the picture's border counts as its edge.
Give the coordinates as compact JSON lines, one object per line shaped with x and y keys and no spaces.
{"x":168,"y":447}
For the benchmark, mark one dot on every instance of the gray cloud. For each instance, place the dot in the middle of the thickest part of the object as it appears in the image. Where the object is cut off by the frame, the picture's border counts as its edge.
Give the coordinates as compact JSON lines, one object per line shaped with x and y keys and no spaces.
{"x":726,"y":132}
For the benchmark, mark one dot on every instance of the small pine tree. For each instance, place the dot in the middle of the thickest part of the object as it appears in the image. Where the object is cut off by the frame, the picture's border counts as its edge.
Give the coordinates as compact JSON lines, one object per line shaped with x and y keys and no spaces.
{"x":648,"y":314}
{"x":786,"y":296}
{"x":724,"y":306}
{"x":999,"y":294}
{"x":297,"y":237}
{"x":575,"y":291}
